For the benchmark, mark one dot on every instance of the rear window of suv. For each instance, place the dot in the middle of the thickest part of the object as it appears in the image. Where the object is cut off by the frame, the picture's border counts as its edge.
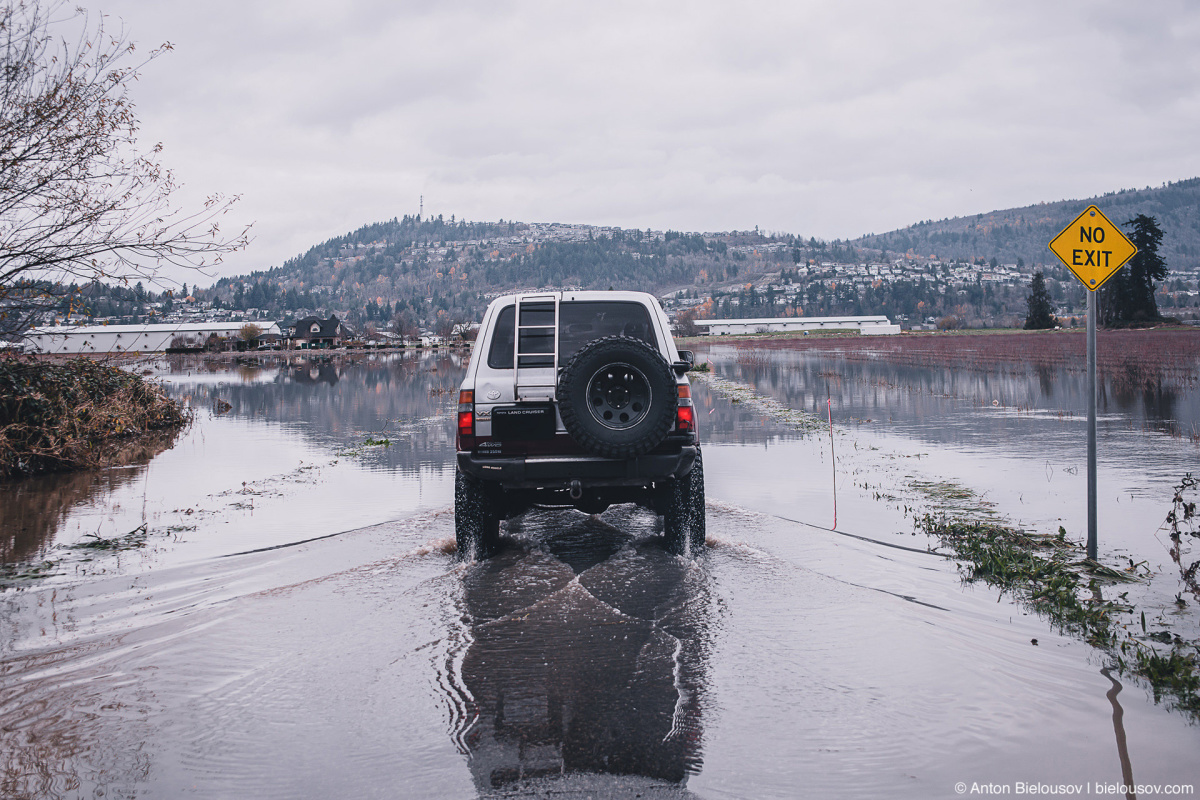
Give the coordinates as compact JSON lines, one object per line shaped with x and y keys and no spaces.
{"x":579,"y":322}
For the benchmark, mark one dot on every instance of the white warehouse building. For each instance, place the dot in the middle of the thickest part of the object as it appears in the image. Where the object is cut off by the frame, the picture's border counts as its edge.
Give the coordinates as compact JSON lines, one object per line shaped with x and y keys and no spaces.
{"x":131,"y":338}
{"x":867,"y":326}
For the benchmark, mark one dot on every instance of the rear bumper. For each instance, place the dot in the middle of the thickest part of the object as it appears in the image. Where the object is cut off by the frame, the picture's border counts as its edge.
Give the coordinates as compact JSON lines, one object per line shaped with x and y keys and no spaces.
{"x":557,"y":472}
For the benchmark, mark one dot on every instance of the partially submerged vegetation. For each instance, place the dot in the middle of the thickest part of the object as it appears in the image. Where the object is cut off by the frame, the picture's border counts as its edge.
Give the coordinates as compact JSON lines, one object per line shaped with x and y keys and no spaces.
{"x":371,"y":441}
{"x":741,"y":393}
{"x":133,"y":540}
{"x":1047,"y":572}
{"x":1184,"y":526}
{"x":57,"y":417}
{"x":1051,"y":575}
{"x":90,"y":546}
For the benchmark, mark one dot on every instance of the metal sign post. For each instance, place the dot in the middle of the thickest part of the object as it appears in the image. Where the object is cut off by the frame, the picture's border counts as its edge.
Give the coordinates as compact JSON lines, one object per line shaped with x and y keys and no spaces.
{"x":1093,"y":248}
{"x":1091,"y":433}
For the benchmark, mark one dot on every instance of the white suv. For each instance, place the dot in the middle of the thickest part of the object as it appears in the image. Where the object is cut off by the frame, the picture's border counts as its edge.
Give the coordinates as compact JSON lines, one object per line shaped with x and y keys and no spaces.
{"x":576,"y":399}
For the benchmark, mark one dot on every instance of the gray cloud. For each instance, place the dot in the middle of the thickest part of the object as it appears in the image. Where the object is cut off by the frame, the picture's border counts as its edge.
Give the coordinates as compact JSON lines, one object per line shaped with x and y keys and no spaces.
{"x":824,"y":119}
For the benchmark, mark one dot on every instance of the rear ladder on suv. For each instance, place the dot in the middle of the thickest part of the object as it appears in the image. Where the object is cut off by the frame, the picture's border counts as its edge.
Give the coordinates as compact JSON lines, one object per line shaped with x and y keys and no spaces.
{"x":535,"y":348}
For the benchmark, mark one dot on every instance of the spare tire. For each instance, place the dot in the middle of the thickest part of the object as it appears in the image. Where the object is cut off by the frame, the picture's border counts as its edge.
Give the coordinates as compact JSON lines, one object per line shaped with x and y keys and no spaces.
{"x":617,"y":397}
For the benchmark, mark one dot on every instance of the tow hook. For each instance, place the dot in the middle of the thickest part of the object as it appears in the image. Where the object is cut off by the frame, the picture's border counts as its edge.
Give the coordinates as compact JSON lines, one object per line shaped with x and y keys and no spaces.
{"x":576,"y":490}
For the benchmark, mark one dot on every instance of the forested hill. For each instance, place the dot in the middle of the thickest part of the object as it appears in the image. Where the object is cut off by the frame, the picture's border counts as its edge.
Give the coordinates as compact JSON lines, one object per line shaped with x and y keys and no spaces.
{"x":1023,"y":233}
{"x":453,"y":266}
{"x":437,"y":255}
{"x":415,"y":271}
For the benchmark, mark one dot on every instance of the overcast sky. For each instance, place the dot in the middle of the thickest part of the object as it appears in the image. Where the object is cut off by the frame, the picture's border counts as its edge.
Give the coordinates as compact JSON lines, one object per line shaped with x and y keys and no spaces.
{"x":829,"y":119}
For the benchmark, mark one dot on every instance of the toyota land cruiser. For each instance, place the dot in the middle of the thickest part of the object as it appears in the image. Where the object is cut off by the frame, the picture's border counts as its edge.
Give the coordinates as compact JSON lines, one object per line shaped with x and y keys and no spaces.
{"x":576,"y":399}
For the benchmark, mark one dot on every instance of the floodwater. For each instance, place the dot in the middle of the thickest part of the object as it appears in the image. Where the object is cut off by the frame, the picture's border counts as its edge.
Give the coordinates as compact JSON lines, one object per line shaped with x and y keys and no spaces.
{"x":271,"y":607}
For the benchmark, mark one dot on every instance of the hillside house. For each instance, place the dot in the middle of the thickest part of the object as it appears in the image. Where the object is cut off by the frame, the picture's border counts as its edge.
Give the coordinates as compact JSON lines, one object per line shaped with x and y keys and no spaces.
{"x":313,"y":333}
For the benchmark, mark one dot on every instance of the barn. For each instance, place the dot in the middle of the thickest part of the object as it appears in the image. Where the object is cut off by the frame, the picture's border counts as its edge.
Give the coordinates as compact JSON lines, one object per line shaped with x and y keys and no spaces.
{"x":84,"y":339}
{"x":867,"y":326}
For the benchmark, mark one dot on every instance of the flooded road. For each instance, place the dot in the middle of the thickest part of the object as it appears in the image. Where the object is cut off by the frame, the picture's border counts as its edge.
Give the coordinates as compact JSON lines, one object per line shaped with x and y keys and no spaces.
{"x":292,"y":623}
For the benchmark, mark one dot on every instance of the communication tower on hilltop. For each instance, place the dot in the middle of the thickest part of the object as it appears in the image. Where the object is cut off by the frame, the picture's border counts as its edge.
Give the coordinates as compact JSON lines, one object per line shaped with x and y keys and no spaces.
{"x":421,"y":213}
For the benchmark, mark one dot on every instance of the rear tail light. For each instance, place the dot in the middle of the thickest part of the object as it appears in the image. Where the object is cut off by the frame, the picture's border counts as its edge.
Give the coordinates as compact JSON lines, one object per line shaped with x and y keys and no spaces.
{"x":466,"y":419}
{"x":685,"y":418}
{"x":685,"y":413}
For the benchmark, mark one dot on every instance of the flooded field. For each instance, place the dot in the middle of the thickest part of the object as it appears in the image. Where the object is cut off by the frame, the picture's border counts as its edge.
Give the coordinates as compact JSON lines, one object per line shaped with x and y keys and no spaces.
{"x":271,"y":606}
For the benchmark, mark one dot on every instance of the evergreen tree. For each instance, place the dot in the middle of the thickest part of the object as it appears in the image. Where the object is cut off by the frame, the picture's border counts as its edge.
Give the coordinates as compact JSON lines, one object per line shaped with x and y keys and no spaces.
{"x":1129,"y":295}
{"x":1113,"y":299}
{"x":1041,"y":312}
{"x":1146,"y":267}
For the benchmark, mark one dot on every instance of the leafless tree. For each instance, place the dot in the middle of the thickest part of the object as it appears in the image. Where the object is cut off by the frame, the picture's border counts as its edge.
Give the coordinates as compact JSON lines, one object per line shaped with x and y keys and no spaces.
{"x":685,"y":323}
{"x":444,"y":325}
{"x":249,"y":334}
{"x":405,"y":324}
{"x":79,"y":201}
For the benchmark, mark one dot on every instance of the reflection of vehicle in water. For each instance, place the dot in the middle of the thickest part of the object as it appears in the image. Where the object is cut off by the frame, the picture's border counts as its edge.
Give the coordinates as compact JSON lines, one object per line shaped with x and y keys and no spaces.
{"x":585,"y":654}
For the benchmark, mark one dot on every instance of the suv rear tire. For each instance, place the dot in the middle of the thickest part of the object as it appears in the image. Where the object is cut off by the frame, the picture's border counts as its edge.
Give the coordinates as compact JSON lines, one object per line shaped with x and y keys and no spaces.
{"x":617,"y":397}
{"x":477,"y":513}
{"x":683,"y":512}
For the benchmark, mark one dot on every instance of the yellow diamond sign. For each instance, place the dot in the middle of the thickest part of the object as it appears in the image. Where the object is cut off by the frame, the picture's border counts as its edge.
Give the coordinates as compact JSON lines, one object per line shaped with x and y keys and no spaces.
{"x":1093,"y":248}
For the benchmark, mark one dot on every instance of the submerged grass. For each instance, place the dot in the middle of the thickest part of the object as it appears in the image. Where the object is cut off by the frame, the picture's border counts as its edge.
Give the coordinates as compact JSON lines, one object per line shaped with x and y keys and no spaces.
{"x":362,"y":447}
{"x":58,"y":417}
{"x":13,"y":574}
{"x":18,"y":573}
{"x":1050,"y":575}
{"x":768,"y":406}
{"x":951,"y":497}
{"x":133,"y":540}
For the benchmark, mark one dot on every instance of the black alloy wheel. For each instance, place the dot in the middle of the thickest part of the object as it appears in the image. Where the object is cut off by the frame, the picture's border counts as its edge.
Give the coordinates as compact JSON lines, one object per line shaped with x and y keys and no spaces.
{"x":619,"y":396}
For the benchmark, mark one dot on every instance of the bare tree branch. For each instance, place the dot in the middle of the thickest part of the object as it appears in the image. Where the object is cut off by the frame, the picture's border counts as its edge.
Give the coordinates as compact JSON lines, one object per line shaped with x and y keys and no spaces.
{"x":78,"y":201}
